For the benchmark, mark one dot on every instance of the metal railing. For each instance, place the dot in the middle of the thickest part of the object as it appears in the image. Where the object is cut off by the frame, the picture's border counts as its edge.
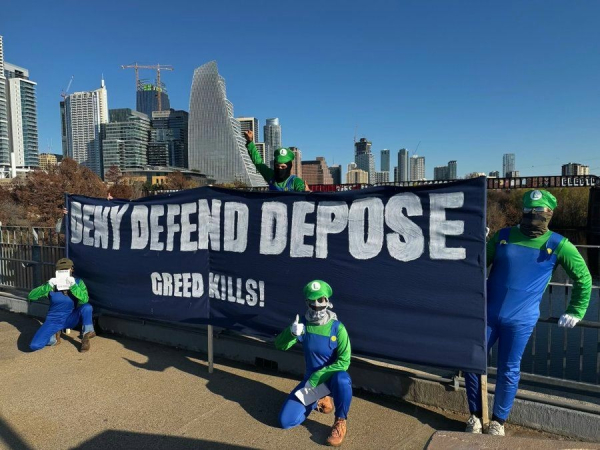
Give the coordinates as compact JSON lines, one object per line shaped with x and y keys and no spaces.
{"x":566,"y":354}
{"x":28,"y":255}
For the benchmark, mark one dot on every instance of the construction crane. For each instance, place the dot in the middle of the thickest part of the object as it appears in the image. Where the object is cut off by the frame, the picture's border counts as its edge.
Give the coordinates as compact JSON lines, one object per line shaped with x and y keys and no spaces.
{"x":158,"y":68}
{"x":65,"y":93}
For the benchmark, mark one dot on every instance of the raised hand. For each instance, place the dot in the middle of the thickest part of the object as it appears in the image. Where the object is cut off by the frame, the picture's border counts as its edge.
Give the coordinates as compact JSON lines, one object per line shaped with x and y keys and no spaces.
{"x":297,"y":328}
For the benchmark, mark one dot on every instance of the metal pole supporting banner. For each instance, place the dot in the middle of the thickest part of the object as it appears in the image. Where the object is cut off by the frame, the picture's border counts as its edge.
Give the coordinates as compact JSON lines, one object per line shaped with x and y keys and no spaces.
{"x":210,"y":349}
{"x":484,"y":400}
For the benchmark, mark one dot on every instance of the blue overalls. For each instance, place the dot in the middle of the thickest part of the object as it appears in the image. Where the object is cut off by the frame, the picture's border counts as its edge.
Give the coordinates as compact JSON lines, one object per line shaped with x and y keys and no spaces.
{"x":517,"y":281}
{"x":289,"y":184}
{"x":319,"y":351}
{"x":62,"y":314}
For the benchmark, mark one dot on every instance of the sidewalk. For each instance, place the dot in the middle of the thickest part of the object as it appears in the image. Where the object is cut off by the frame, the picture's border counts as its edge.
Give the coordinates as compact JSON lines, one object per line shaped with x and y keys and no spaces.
{"x":130,"y":394}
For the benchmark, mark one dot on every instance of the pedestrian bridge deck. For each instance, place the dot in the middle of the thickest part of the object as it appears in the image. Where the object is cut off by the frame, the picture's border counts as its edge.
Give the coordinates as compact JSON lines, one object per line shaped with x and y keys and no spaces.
{"x":131,"y":394}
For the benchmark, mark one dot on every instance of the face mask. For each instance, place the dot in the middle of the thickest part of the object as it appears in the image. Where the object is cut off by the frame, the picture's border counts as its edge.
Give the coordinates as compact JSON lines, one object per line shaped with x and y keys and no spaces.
{"x":535,"y":224}
{"x":315,"y":316}
{"x":282,"y":175}
{"x":317,"y":310}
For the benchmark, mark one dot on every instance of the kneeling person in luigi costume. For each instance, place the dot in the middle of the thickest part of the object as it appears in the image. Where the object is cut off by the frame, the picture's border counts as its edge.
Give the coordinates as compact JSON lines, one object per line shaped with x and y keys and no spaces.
{"x":67,"y":309}
{"x":327,"y":356}
{"x":522,"y":259}
{"x":280,"y":178}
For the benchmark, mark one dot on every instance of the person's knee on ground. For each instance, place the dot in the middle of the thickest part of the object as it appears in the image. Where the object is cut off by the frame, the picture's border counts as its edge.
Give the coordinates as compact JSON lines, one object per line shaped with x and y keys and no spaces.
{"x":292,"y":414}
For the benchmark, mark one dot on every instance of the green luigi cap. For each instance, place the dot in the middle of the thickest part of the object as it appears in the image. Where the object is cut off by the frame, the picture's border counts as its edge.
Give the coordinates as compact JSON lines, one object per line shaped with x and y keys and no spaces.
{"x":64,"y":264}
{"x":317,"y":289}
{"x":283,"y":156}
{"x":531,"y":199}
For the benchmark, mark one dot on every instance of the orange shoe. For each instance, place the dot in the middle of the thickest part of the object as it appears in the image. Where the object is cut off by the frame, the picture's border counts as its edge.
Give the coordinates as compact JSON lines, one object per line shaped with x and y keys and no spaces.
{"x":338,"y":432}
{"x":325,"y":405}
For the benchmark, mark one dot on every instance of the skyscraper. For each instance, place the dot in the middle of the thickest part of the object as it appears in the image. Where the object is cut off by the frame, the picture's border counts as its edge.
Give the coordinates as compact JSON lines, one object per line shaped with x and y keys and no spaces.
{"x":381,"y":177}
{"x":403,"y":165}
{"x":336,"y":173}
{"x":147,"y":98}
{"x":250,"y":124}
{"x":570,"y":169}
{"x":385,"y":160}
{"x":316,"y":172}
{"x":364,"y":159}
{"x":272,"y":137}
{"x":4,"y":145}
{"x":452,"y":170}
{"x":297,"y":164}
{"x":83,"y":115}
{"x":216,"y":145}
{"x":260,"y":148}
{"x":508,"y":163}
{"x":170,"y":128}
{"x":125,"y":142}
{"x":445,"y":172}
{"x":440,"y":173}
{"x":22,"y":116}
{"x":417,"y":168}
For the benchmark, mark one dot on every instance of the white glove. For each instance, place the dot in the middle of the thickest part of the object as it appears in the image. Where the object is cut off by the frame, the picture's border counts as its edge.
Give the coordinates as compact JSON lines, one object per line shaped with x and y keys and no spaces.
{"x":567,"y":321}
{"x":71,"y":281}
{"x":297,"y":328}
{"x":52,"y":282}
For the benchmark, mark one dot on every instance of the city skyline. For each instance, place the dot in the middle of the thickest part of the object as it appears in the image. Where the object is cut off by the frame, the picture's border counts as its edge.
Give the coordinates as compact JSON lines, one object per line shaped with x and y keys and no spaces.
{"x":544,"y":102}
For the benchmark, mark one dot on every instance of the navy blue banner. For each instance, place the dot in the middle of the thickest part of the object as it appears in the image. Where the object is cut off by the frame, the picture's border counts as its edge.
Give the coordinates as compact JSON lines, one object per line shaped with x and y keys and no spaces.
{"x":407,"y":265}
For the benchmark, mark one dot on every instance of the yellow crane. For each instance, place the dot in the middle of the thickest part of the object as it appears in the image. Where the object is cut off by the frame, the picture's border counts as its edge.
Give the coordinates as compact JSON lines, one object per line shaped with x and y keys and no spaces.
{"x":158,"y":68}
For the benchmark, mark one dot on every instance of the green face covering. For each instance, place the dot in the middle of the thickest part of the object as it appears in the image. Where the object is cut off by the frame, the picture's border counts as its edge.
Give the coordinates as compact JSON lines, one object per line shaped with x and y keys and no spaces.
{"x":535,"y":224}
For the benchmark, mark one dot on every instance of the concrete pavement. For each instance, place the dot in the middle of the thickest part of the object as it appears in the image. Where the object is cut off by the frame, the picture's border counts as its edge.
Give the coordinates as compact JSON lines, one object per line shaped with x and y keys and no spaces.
{"x":129,"y":394}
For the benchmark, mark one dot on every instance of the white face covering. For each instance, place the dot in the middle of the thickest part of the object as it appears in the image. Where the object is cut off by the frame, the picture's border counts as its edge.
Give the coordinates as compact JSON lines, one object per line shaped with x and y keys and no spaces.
{"x":320,"y":315}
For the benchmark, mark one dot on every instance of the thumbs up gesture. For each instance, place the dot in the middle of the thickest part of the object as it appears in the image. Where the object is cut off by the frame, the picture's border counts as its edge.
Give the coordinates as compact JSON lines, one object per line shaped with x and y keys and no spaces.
{"x":297,"y":328}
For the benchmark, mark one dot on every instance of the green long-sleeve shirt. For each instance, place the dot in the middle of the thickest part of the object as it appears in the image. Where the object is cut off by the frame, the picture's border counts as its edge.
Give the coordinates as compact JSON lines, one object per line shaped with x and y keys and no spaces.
{"x":286,"y":340}
{"x":267,"y":173}
{"x":567,"y":256}
{"x":79,"y":291}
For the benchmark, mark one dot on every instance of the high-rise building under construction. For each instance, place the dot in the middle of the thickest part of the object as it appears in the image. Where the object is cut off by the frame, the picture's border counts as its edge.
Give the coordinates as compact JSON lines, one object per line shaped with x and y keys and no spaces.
{"x":147,"y":98}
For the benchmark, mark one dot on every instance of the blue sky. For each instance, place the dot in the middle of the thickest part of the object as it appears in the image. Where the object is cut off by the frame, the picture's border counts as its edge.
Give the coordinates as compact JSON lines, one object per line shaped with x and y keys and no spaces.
{"x":469,"y":80}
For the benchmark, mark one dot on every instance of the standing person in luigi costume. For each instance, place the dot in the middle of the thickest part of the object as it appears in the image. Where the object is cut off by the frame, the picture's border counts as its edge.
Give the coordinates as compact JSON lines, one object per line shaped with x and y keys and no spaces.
{"x":327,"y":356}
{"x":280,"y":178}
{"x":67,"y":309}
{"x":523,"y":258}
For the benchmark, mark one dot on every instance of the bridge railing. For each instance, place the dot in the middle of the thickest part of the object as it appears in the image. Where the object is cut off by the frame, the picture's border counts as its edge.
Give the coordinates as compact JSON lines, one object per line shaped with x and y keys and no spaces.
{"x":562,"y":353}
{"x":28,"y":256}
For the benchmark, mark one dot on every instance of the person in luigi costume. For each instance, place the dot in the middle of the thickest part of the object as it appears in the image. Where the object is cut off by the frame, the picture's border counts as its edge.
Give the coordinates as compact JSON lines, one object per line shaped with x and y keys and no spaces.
{"x":523,"y":258}
{"x":67,"y":309}
{"x":279,"y":179}
{"x":327,"y":357}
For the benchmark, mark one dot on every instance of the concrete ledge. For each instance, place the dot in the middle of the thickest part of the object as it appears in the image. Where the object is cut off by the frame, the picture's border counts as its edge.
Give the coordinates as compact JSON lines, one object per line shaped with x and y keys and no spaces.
{"x":409,"y":384}
{"x":451,"y":440}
